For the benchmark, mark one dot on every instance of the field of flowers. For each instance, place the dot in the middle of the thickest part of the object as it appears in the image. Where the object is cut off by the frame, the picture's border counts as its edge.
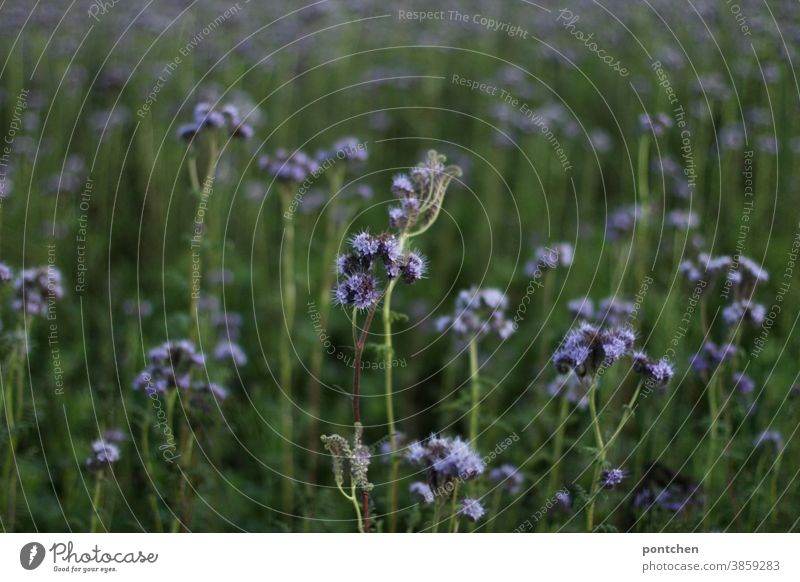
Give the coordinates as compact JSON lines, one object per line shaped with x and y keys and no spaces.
{"x":453,"y":266}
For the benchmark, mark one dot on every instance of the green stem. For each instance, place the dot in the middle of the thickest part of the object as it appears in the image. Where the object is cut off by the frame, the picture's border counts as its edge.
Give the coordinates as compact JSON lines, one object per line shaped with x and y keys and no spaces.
{"x":475,"y":391}
{"x":644,"y":197}
{"x":599,"y":459}
{"x":284,"y":349}
{"x":96,"y":501}
{"x":558,"y":445}
{"x":182,"y":520}
{"x":453,"y":510}
{"x":388,"y":354}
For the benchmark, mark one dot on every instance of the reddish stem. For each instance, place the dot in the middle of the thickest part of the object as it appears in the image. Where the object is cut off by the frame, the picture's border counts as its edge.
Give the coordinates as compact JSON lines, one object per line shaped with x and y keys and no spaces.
{"x":357,"y":373}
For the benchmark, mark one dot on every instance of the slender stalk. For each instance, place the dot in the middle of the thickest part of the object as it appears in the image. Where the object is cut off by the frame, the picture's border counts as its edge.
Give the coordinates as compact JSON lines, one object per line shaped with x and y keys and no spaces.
{"x":558,"y":445}
{"x":644,"y":197}
{"x":149,"y":467}
{"x":475,"y":391}
{"x":182,"y":520}
{"x":284,"y":349}
{"x":388,"y":354}
{"x":96,"y":501}
{"x":317,"y":356}
{"x":600,"y":459}
{"x":453,"y":510}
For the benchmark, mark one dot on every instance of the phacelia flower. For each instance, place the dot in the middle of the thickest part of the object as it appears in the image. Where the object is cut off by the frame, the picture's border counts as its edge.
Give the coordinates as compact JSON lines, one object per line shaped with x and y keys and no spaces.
{"x":36,"y":290}
{"x":711,"y":356}
{"x":170,"y":365}
{"x":472,"y":509}
{"x":6,"y":274}
{"x":509,"y":477}
{"x":550,"y":257}
{"x":423,"y":490}
{"x":104,"y":453}
{"x":590,"y":347}
{"x":744,"y":310}
{"x":228,"y":351}
{"x":571,"y":387}
{"x":447,"y":460}
{"x":289,"y":167}
{"x":611,"y":478}
{"x":744,"y":383}
{"x":769,"y":436}
{"x":655,"y":372}
{"x":206,"y":117}
{"x":582,"y":307}
{"x":478,"y":311}
{"x":657,"y":124}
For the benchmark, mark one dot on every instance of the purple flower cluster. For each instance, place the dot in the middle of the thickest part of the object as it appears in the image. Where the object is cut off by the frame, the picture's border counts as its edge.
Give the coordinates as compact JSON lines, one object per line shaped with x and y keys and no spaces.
{"x":509,"y":477}
{"x":423,"y":490}
{"x":622,"y":221}
{"x":745,"y":311}
{"x":289,"y":168}
{"x":478,"y":311}
{"x":550,"y":257}
{"x":656,"y":124}
{"x":104,"y":453}
{"x":710,"y":356}
{"x":36,"y":290}
{"x":170,"y":365}
{"x":472,"y":509}
{"x":773,"y":437}
{"x":570,"y":387}
{"x":228,"y":327}
{"x":611,"y":311}
{"x":207,"y":118}
{"x":656,"y":373}
{"x":744,"y":383}
{"x":611,"y":478}
{"x":588,"y":348}
{"x":6,"y":274}
{"x":420,"y":193}
{"x":358,"y":285}
{"x":446,"y":459}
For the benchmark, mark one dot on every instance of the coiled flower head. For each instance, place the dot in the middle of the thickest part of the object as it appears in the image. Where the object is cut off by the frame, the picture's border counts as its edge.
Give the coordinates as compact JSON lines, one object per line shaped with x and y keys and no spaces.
{"x":447,"y":460}
{"x":472,"y":509}
{"x":289,"y":168}
{"x":104,"y":453}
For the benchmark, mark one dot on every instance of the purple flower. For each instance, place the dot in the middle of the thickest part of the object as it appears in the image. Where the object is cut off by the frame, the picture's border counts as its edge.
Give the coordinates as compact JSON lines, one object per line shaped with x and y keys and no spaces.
{"x":657,"y":124}
{"x":289,"y":168}
{"x":446,"y":459}
{"x":104,"y":454}
{"x":744,"y":383}
{"x":744,"y":310}
{"x":36,"y":290}
{"x":423,"y":490}
{"x":655,"y":372}
{"x":509,"y":476}
{"x":412,"y":268}
{"x":471,"y":509}
{"x":581,"y":307}
{"x":589,"y":347}
{"x":402,"y":186}
{"x":478,"y":311}
{"x":769,"y":436}
{"x":170,"y":365}
{"x":611,"y":478}
{"x":227,"y":351}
